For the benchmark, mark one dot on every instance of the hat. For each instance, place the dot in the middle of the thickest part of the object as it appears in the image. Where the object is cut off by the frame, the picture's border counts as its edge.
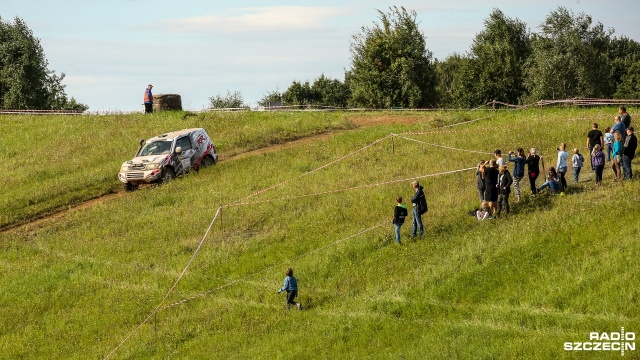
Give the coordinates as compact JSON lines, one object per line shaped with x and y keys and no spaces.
{"x":630,"y":128}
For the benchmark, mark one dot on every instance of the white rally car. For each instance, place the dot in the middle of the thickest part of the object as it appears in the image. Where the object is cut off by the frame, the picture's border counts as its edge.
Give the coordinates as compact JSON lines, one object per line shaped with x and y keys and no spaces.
{"x":166,"y":156}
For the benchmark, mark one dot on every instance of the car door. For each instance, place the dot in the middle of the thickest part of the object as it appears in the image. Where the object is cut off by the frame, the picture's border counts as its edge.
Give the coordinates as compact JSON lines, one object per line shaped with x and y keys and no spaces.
{"x":187,"y":152}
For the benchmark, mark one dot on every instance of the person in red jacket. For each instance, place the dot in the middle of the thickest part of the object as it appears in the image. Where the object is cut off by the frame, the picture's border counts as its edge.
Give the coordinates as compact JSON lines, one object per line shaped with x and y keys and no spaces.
{"x":148,"y":100}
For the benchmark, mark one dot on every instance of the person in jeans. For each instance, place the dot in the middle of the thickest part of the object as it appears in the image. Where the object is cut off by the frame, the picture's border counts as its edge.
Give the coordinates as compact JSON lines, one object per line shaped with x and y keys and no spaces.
{"x":400,"y":212}
{"x":291,"y":287}
{"x":419,"y":202}
{"x":594,"y":137}
{"x":628,"y":153}
{"x":608,"y":142}
{"x":576,"y":160}
{"x":480,"y":180}
{"x":617,"y":155}
{"x":504,"y":188}
{"x":518,"y":170}
{"x":597,"y":163}
{"x":562,"y":165}
{"x":553,"y":181}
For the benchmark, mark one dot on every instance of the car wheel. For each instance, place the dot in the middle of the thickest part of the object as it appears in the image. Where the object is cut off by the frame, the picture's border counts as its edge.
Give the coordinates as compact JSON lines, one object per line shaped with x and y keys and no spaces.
{"x":128,"y":187}
{"x":207,"y":161}
{"x":167,"y":176}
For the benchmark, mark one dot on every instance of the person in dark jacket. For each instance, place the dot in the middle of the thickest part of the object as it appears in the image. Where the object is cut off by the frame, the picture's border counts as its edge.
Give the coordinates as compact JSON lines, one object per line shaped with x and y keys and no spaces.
{"x":291,"y":287}
{"x":533,"y":162}
{"x":491,"y":186}
{"x":628,"y":153}
{"x":400,"y":212}
{"x":504,"y":188}
{"x":518,"y":170}
{"x":419,"y":202}
{"x":148,"y":100}
{"x":480,"y":180}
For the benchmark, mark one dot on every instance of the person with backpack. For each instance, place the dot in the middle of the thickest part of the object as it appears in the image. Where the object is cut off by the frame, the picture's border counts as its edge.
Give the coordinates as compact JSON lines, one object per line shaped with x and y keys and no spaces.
{"x":420,"y":207}
{"x":291,"y":287}
{"x":400,"y":212}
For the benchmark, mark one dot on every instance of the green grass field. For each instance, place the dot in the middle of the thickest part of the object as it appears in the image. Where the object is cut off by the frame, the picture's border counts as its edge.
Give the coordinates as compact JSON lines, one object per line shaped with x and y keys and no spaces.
{"x":81,"y":284}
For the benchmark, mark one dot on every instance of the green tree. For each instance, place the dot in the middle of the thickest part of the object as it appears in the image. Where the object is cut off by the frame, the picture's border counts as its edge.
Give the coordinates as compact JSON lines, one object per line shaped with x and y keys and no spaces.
{"x":455,"y":75}
{"x":623,"y":54}
{"x":270,"y":98}
{"x":231,"y":101}
{"x":300,"y":94}
{"x":569,"y":58}
{"x":391,"y":65}
{"x":330,"y":92}
{"x":498,"y":55}
{"x":25,"y":81}
{"x":629,"y":85}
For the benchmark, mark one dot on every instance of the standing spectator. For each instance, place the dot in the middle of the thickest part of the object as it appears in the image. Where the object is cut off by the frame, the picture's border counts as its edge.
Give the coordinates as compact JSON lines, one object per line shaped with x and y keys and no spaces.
{"x":553,"y":181}
{"x":628,"y":153}
{"x":499,"y":159}
{"x":400,"y":212}
{"x":619,"y":127}
{"x":533,"y":164}
{"x":504,"y":187}
{"x":419,"y":201}
{"x":608,"y":142}
{"x":576,"y":160}
{"x":617,"y":155}
{"x":518,"y":170}
{"x":491,"y":186}
{"x":291,"y":287}
{"x":480,"y":180}
{"x":148,"y":100}
{"x":597,"y":162}
{"x":594,"y":137}
{"x":624,"y":117}
{"x":562,"y":165}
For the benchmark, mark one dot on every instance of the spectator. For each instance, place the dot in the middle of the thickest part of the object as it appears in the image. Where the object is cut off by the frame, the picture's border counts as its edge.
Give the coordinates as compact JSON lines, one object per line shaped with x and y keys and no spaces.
{"x":148,"y":100}
{"x":480,"y":180}
{"x":484,"y":212}
{"x":617,"y":155}
{"x":400,"y":212}
{"x":562,"y":165}
{"x":608,"y":142}
{"x":594,"y":137}
{"x":491,"y":186}
{"x":504,"y":188}
{"x":628,"y":153}
{"x":291,"y":287}
{"x":420,"y":207}
{"x":533,"y":163}
{"x":553,"y":181}
{"x":619,"y":127}
{"x":624,"y":117}
{"x":597,"y":163}
{"x":576,"y":161}
{"x":518,"y":170}
{"x":499,"y":159}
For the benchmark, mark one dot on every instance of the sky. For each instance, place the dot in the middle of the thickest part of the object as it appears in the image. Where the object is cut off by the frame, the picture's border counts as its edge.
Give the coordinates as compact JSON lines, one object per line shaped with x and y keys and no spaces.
{"x":111,"y":50}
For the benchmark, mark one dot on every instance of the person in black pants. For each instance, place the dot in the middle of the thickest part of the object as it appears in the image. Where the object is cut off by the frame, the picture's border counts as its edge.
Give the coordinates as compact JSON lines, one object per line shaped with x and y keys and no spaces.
{"x":533,"y":164}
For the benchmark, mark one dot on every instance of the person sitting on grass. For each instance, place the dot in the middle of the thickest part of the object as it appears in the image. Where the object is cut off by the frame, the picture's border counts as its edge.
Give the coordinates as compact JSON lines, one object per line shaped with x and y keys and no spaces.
{"x":553,"y":181}
{"x":484,"y":212}
{"x":291,"y":287}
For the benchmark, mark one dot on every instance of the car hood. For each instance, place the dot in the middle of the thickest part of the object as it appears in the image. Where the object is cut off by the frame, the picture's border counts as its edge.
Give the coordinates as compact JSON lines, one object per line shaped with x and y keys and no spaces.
{"x":147,"y":160}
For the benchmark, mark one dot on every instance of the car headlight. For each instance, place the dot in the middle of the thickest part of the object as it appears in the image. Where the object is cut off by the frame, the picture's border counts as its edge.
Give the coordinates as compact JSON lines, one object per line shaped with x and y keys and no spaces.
{"x":124,"y":168}
{"x":153,"y":166}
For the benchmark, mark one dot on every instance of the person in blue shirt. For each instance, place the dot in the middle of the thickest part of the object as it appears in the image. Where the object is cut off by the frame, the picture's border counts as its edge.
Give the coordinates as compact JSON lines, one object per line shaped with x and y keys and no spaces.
{"x":518,"y":169}
{"x":619,"y":127}
{"x":291,"y":287}
{"x":562,"y":166}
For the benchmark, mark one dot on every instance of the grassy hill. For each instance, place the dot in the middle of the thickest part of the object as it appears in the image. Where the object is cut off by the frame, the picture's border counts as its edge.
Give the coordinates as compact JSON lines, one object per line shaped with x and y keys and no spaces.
{"x":80,"y":285}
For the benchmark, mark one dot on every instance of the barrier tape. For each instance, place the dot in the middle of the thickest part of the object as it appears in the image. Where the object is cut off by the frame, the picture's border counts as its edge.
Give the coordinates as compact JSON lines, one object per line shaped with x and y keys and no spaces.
{"x":171,"y":289}
{"x":442,"y":146}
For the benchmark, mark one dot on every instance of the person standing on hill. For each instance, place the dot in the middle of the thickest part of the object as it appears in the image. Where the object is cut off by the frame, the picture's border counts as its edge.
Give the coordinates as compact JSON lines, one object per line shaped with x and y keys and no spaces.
{"x":499,"y":159}
{"x":480,"y":180}
{"x":148,"y":100}
{"x":594,"y":137}
{"x":419,"y":201}
{"x":608,"y":142}
{"x":518,"y":170}
{"x":504,"y":188}
{"x":491,"y":186}
{"x":619,"y":127}
{"x":533,"y":163}
{"x":562,"y":166}
{"x":576,"y":160}
{"x":291,"y":287}
{"x":617,"y":155}
{"x":400,"y":212}
{"x":597,"y":163}
{"x":624,"y":116}
{"x":628,"y":153}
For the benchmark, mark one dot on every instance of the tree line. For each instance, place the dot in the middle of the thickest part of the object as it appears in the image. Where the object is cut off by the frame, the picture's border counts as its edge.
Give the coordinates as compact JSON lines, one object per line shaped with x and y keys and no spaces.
{"x":26,"y":83}
{"x":570,"y":56}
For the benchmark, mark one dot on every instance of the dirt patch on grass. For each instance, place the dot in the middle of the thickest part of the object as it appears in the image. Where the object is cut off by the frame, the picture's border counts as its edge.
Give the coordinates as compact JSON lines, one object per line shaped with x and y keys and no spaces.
{"x":364,"y":121}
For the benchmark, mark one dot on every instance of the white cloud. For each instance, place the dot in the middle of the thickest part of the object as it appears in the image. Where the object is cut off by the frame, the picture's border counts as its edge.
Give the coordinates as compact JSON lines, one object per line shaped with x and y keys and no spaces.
{"x":258,"y":19}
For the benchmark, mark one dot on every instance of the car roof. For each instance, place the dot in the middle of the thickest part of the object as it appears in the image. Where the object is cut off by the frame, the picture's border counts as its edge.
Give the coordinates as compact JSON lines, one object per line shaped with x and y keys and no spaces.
{"x":173,"y":134}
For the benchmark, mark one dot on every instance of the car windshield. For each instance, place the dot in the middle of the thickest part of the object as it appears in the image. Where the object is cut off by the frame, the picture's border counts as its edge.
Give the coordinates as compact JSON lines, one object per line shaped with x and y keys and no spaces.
{"x":156,"y":148}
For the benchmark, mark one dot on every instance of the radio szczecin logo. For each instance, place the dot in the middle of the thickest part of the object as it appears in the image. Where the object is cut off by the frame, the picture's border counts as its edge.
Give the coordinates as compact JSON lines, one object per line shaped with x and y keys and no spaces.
{"x":614,"y":341}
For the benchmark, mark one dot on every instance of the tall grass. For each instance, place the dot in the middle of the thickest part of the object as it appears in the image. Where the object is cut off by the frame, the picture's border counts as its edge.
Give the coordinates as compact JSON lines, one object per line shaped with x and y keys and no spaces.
{"x":558,"y":268}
